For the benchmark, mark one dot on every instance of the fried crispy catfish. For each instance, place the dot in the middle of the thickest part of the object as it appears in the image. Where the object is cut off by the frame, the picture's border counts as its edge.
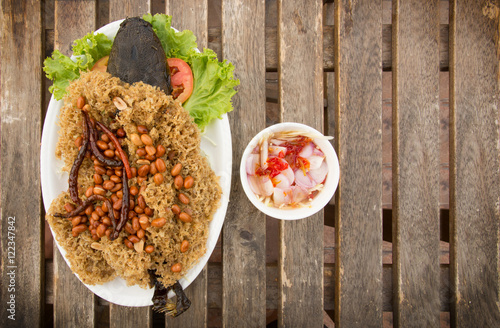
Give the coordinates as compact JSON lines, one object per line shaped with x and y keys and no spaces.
{"x":137,"y":55}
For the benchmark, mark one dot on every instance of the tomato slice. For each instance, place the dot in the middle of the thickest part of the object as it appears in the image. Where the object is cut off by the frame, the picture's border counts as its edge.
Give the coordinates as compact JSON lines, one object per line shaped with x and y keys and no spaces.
{"x":101,"y":65}
{"x":181,"y":78}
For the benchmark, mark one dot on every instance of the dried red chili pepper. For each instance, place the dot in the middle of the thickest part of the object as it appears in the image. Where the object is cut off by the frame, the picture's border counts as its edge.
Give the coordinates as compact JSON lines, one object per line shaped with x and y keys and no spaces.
{"x":95,"y":150}
{"x":73,"y":174}
{"x":86,"y":204}
{"x":118,"y":147}
{"x":124,"y":209}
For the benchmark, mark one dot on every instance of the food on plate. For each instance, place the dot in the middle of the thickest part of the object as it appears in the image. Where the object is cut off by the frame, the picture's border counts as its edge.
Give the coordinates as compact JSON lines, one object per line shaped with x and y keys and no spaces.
{"x":141,"y":193}
{"x":213,"y":81}
{"x":129,"y":226}
{"x":137,"y":55}
{"x":286,"y":169}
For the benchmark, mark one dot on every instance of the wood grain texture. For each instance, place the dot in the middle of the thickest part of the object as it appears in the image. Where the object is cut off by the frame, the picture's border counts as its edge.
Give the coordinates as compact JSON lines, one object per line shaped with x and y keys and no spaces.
{"x":358,"y":70}
{"x":271,"y":42}
{"x":474,"y":166}
{"x":300,"y":78}
{"x":415,"y":216}
{"x":192,"y":15}
{"x":120,"y":9}
{"x":21,"y":223}
{"x":244,"y":242}
{"x":74,"y":303}
{"x":133,"y":316}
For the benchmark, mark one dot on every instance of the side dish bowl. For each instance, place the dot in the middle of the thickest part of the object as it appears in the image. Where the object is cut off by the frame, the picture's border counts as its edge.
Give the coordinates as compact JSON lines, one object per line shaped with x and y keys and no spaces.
{"x":329,"y":184}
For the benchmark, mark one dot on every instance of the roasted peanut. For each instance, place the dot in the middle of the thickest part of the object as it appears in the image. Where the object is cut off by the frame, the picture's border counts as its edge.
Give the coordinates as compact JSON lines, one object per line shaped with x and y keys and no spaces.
{"x":149,"y":211}
{"x":141,"y":152}
{"x":133,"y":238}
{"x":117,"y":187}
{"x":115,"y":178}
{"x":79,"y":141}
{"x":136,"y":140}
{"x":138,"y":209}
{"x":133,"y":170}
{"x":184,"y":217}
{"x":135,"y":223}
{"x":101,"y":230}
{"x":117,"y":205}
{"x":141,"y":202}
{"x":152,"y":168}
{"x":105,"y":138}
{"x":133,"y":190}
{"x":97,"y":179}
{"x":102,"y":145}
{"x":144,"y":222}
{"x":140,"y":233}
{"x":146,"y":139}
{"x":76,"y":220}
{"x":183,"y":198}
{"x":86,"y":107}
{"x":159,"y":222}
{"x":142,"y":129}
{"x":176,"y":209}
{"x":108,"y":184}
{"x":150,"y":150}
{"x":79,"y":229}
{"x":69,"y":207}
{"x":99,"y":190}
{"x":176,"y":169}
{"x":160,"y":151}
{"x":106,"y":220}
{"x":99,"y":211}
{"x":143,"y":170}
{"x":158,"y":178}
{"x":109,"y":172}
{"x":118,"y":173}
{"x":149,"y":249}
{"x":177,"y":267}
{"x":160,"y":165}
{"x":129,"y":229}
{"x":128,"y":243}
{"x":89,"y":192}
{"x":178,"y":182}
{"x":89,"y":210}
{"x":99,"y":169}
{"x":184,"y":246}
{"x":80,"y":102}
{"x":188,"y":182}
{"x":150,"y":157}
{"x":120,"y":133}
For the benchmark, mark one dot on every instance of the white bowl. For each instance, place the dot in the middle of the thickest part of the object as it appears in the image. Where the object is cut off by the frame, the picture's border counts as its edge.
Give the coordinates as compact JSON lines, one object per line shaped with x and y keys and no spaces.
{"x":320,"y":200}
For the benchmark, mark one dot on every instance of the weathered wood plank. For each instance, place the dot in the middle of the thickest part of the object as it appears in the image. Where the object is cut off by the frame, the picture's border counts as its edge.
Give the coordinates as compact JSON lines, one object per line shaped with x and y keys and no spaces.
{"x":271,"y":42}
{"x":244,"y":243}
{"x":192,"y":15}
{"x":300,"y":76}
{"x":474,"y":166}
{"x":74,"y":304}
{"x":416,"y":163}
{"x":120,"y":315}
{"x":120,"y":9}
{"x":358,"y":72}
{"x":21,"y":224}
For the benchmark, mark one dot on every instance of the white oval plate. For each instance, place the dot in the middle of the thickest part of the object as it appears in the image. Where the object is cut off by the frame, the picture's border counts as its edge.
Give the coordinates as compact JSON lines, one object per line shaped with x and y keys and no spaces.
{"x":215,"y":143}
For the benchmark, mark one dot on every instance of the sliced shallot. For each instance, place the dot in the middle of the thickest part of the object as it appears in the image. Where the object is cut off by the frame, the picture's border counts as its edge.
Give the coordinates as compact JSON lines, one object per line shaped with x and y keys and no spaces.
{"x":252,"y":163}
{"x":318,"y":175}
{"x":304,"y":180}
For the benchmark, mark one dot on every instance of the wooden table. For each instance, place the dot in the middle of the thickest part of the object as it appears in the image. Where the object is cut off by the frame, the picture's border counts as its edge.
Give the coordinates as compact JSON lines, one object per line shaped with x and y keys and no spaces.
{"x":408,"y":89}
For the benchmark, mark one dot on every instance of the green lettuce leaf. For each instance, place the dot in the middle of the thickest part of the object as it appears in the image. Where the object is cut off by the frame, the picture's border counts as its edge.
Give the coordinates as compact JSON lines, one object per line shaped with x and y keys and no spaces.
{"x":175,"y":44}
{"x":62,"y":70}
{"x":213,"y":87}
